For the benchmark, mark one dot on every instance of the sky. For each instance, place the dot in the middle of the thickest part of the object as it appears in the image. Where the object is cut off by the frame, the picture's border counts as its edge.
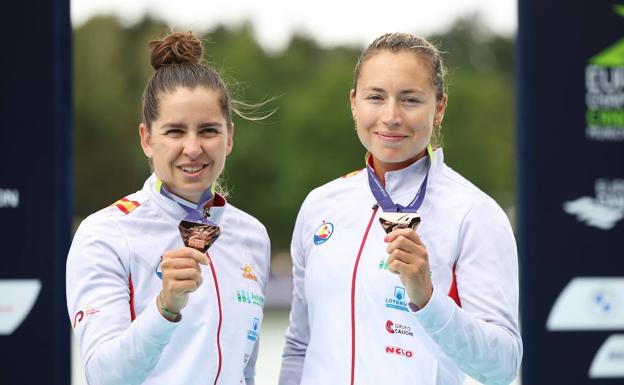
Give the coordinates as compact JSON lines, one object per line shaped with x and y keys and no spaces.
{"x":329,"y":22}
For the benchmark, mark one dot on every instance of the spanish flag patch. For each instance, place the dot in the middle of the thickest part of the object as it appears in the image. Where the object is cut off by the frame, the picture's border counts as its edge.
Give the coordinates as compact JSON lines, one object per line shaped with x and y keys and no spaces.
{"x":126,"y":205}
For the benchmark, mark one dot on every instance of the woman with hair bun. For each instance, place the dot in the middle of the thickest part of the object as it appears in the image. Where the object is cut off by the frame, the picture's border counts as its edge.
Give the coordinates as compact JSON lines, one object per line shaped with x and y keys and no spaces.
{"x":404,"y":272}
{"x":166,"y":285}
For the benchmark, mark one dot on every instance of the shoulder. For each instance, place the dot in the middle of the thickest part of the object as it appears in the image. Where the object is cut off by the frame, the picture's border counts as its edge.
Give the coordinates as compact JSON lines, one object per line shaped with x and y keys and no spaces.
{"x":450,"y":182}
{"x":251,"y":232}
{"x":459,"y":194}
{"x":242,"y":218}
{"x":123,"y":209}
{"x":337,"y":189}
{"x":102,"y":237}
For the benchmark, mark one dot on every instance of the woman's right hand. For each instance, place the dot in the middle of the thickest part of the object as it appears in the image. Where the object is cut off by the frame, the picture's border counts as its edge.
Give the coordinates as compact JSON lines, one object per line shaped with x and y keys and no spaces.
{"x":181,"y":275}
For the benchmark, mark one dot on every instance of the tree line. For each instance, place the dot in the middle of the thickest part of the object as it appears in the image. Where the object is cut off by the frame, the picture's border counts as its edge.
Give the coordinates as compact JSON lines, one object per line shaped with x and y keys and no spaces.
{"x":308,"y":141}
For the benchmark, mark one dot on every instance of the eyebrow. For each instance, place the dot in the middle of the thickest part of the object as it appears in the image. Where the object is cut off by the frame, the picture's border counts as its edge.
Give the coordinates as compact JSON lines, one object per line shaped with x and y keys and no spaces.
{"x":211,"y":124}
{"x":403,"y":92}
{"x":174,"y":125}
{"x":184,"y":126}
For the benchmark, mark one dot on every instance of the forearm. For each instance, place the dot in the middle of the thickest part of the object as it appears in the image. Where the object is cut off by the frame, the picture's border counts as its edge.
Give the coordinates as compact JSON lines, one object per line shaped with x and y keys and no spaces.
{"x":485,"y":350}
{"x":292,"y":361}
{"x":129,"y":357}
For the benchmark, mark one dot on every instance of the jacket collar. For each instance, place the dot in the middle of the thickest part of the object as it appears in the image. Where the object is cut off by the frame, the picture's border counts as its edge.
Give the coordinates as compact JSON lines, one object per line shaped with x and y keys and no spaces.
{"x":172,"y":205}
{"x":402,"y":185}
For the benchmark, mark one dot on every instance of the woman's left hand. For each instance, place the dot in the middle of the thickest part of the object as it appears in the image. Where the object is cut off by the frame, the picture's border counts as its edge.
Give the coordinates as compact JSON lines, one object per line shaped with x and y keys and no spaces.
{"x":408,"y":258}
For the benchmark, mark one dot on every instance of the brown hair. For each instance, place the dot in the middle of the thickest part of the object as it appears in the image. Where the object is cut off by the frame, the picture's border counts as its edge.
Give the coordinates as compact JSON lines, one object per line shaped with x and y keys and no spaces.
{"x":398,"y":42}
{"x":177,"y":61}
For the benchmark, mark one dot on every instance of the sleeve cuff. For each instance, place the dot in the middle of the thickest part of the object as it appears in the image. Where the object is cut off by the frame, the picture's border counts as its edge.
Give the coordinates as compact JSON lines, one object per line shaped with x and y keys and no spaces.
{"x":436,"y":313}
{"x":153,"y":327}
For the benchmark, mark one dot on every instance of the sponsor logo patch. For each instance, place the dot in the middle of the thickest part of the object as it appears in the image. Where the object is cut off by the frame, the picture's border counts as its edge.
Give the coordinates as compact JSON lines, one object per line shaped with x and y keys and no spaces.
{"x":395,"y":350}
{"x":394,"y":328}
{"x":248,"y":272}
{"x":323,"y":233}
{"x":398,"y":300}
{"x":81,"y":314}
{"x":252,"y":334}
{"x":252,"y":298}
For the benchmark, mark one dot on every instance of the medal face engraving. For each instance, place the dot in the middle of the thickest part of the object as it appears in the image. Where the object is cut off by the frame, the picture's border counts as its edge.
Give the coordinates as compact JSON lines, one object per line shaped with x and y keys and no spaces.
{"x":394,"y":221}
{"x":199,"y":236}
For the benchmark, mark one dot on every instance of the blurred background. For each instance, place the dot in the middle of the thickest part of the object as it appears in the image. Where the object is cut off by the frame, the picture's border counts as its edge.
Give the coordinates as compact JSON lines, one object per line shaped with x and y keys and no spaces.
{"x":73,"y":75}
{"x":309,"y":140}
{"x":303,"y":56}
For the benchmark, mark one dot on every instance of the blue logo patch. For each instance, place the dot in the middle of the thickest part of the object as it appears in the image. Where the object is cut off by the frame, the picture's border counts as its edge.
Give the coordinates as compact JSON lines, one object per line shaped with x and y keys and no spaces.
{"x":398,"y":301}
{"x":323,"y":233}
{"x":253,"y":333}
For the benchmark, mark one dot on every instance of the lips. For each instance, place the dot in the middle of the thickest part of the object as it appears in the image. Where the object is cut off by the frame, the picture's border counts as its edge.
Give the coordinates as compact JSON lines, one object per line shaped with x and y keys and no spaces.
{"x":390,"y":136}
{"x":191,"y":169}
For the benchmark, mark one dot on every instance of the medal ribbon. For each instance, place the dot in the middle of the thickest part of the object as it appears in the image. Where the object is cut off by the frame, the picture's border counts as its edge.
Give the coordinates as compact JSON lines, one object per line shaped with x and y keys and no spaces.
{"x":384,"y":200}
{"x":195,"y":212}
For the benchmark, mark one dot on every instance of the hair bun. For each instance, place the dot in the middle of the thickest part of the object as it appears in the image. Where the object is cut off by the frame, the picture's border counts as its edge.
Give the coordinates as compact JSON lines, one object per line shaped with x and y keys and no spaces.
{"x":176,"y":48}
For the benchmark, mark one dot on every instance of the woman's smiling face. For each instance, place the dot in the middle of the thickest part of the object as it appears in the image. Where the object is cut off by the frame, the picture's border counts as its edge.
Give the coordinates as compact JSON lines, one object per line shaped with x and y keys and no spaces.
{"x":394,"y":107}
{"x":189,"y":141}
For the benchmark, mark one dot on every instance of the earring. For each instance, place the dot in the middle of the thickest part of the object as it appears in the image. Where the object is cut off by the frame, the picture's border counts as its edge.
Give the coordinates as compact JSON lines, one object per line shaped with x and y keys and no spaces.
{"x":354,"y":125}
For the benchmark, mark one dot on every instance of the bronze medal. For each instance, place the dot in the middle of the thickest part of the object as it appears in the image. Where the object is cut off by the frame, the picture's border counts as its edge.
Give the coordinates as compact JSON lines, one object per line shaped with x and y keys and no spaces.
{"x":199,"y":236}
{"x":393,"y":221}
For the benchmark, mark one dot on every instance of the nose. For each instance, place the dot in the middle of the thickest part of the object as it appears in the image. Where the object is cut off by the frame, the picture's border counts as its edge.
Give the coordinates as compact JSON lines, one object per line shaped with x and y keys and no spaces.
{"x":192,"y":146}
{"x":392,"y":114}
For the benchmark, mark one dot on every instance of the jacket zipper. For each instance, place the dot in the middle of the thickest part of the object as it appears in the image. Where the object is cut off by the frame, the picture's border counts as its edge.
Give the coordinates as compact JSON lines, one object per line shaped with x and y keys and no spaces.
{"x":216,"y":282}
{"x":355,"y":267}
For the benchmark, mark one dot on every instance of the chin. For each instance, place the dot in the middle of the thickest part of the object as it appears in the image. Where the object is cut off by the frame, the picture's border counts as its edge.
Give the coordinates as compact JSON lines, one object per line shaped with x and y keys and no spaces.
{"x":390,"y":156}
{"x":197,"y":188}
{"x":402,"y":160}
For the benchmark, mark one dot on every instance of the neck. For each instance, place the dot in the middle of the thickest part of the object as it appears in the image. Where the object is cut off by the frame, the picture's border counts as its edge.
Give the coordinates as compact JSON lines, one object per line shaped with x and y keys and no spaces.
{"x":381,"y":167}
{"x":206,"y":198}
{"x":193,"y":198}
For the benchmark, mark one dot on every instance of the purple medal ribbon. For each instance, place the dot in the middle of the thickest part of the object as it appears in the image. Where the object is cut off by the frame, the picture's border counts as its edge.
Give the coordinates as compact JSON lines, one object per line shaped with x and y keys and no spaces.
{"x":193,"y":214}
{"x":384,"y":200}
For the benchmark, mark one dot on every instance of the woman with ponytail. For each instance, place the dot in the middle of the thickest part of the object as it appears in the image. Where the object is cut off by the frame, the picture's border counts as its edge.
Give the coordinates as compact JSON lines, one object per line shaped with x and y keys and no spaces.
{"x":166,"y":285}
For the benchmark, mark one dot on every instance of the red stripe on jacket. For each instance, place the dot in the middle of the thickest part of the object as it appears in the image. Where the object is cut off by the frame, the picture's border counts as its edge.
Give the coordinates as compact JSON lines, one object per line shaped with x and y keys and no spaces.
{"x":453,"y":293}
{"x":131,"y":286}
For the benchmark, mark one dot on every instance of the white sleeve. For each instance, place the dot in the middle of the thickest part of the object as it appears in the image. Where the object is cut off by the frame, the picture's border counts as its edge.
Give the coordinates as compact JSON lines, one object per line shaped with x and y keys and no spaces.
{"x":114,"y":349}
{"x":250,"y":369}
{"x":482,"y":336}
{"x":298,"y":332}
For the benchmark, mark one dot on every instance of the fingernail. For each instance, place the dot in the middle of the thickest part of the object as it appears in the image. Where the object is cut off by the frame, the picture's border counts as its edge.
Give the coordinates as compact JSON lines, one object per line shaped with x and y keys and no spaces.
{"x":386,"y":238}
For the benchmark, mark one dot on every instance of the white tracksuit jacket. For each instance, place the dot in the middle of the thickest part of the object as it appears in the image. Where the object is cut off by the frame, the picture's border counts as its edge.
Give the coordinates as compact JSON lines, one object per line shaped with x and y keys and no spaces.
{"x":113,"y":276}
{"x":349,"y":322}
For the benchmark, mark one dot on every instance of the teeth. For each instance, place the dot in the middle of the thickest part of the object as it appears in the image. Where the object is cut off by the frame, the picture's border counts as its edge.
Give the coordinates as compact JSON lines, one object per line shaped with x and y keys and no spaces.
{"x":192,"y":169}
